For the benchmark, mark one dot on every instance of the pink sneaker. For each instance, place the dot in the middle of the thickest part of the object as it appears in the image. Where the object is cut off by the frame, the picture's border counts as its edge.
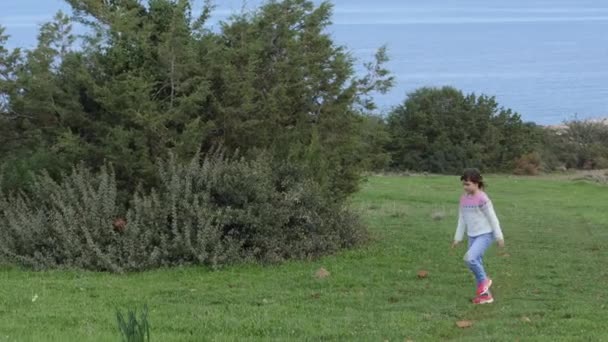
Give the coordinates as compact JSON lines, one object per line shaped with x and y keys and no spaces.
{"x":484,"y":287}
{"x":483,"y":299}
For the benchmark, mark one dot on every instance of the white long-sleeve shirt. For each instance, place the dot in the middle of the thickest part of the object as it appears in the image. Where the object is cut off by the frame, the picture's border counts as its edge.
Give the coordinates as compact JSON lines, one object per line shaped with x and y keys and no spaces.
{"x":477,"y":216}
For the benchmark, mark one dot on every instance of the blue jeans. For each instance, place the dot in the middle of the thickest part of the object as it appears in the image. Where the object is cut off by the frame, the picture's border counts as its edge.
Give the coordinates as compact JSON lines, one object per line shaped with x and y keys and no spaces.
{"x":474,"y":257}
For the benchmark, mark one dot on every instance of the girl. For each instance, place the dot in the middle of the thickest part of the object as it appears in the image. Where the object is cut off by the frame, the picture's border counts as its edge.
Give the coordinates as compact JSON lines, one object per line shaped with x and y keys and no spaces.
{"x":478,"y":219}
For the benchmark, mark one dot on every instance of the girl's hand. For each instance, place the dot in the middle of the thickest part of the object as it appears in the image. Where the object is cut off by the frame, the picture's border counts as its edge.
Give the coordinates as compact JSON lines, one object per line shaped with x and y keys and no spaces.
{"x":501,"y":243}
{"x":455,"y":244}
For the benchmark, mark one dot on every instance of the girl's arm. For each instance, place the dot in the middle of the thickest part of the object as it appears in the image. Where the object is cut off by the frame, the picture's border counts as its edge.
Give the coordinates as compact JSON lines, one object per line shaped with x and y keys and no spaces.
{"x":488,"y":211}
{"x":460,"y":228}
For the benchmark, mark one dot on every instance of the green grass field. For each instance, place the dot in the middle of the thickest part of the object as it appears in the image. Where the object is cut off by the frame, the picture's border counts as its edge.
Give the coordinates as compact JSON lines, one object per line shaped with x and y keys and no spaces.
{"x":551,"y":285}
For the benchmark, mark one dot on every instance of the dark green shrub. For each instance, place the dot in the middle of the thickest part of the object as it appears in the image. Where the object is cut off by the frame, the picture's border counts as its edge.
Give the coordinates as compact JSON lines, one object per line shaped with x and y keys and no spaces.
{"x":215,"y":211}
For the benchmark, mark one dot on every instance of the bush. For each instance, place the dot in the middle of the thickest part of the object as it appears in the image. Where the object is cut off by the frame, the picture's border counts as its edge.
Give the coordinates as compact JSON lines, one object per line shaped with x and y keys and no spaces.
{"x":595,"y":177}
{"x":581,"y":144}
{"x":214,"y":211}
{"x":529,"y":164}
{"x":443,"y":130}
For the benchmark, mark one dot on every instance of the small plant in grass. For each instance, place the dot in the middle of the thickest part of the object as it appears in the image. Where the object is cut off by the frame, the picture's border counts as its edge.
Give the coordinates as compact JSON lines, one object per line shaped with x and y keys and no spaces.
{"x":132,"y":328}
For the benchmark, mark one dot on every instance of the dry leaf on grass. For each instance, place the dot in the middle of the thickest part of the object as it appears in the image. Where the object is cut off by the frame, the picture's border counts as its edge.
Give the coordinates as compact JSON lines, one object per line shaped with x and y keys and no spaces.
{"x":438,"y":215}
{"x":322,"y":273}
{"x":464,"y":324}
{"x":423,"y":274}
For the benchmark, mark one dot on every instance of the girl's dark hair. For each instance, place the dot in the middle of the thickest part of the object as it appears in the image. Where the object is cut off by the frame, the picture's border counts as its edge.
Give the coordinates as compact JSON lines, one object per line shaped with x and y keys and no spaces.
{"x":473,"y":176}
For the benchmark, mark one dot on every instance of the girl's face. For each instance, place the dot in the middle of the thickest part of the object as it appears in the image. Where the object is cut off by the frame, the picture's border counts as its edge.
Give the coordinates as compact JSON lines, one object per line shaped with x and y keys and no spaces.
{"x":470,"y":187}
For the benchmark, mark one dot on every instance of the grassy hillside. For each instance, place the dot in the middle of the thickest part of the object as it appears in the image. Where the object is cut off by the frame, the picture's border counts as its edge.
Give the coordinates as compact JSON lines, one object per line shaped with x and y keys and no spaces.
{"x":549,"y":286}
